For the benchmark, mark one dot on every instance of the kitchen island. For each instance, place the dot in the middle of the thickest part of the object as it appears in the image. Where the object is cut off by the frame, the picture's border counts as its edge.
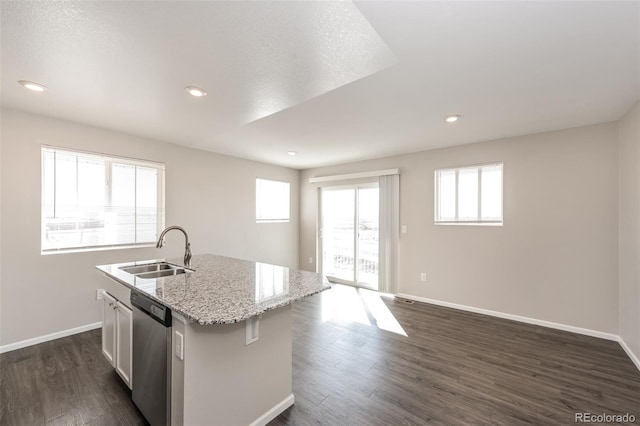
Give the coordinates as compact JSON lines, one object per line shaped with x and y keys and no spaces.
{"x":231,"y":352}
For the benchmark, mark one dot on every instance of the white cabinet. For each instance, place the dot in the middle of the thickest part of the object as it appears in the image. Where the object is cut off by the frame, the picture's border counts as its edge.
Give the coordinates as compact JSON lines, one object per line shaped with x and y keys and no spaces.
{"x":124,"y":328}
{"x":109,"y":304}
{"x":117,"y":326}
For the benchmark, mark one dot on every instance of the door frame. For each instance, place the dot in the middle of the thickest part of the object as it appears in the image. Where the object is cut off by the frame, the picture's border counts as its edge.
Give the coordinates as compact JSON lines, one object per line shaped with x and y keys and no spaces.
{"x":356,"y":236}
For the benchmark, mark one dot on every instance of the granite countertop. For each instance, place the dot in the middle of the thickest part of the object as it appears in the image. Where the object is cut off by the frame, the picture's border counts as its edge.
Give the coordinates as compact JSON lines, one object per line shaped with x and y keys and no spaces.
{"x":222,"y":290}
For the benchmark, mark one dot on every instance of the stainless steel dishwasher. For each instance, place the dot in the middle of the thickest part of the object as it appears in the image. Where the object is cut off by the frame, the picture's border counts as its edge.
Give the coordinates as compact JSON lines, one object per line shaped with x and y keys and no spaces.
{"x":151,"y":375}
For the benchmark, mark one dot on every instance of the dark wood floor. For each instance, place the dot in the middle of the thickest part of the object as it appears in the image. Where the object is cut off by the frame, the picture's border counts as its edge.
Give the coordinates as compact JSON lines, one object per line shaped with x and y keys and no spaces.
{"x":451,"y":368}
{"x":64,"y":382}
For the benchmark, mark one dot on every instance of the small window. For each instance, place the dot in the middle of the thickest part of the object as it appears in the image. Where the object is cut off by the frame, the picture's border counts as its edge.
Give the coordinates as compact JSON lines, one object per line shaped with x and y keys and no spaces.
{"x":91,"y":201}
{"x":272,"y":201}
{"x":469,"y":195}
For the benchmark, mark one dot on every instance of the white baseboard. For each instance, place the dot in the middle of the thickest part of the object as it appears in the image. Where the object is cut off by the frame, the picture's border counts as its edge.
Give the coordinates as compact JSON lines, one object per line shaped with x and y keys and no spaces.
{"x":528,"y":320}
{"x":53,"y":336}
{"x":274,"y":412}
{"x":629,"y":352}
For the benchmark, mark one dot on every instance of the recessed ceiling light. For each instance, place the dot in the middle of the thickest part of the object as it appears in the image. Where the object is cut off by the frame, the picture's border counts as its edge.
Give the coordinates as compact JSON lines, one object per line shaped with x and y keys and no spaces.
{"x":452,"y":118}
{"x":198,"y":92}
{"x":291,"y":153}
{"x":36,"y":87}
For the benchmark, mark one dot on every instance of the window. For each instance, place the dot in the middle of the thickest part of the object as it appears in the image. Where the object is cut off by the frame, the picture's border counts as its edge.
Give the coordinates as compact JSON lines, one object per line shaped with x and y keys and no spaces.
{"x":272,"y":201}
{"x":469,"y":195}
{"x":93,"y":201}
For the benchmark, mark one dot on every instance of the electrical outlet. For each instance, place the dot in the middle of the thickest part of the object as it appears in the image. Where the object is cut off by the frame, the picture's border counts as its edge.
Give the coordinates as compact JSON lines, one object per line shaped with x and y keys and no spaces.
{"x":311,"y":260}
{"x":252,"y":327}
{"x":179,"y":345}
{"x":403,"y":229}
{"x":99,"y":294}
{"x":423,"y":276}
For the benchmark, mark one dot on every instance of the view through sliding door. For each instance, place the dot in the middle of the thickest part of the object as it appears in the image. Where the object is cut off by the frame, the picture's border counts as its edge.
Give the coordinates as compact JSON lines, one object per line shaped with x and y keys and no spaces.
{"x":349,"y":232}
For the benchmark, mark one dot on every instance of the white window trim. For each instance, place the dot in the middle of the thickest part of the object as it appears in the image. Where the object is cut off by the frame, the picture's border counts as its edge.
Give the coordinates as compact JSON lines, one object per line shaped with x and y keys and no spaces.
{"x":472,"y":222}
{"x":84,"y":249}
{"x":359,"y":175}
{"x":109,"y":160}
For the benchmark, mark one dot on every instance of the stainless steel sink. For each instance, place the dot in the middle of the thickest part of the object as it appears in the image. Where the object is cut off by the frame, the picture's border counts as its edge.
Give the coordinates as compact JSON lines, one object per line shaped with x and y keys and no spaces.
{"x":155,"y":270}
{"x":163,"y":273}
{"x":148,"y":267}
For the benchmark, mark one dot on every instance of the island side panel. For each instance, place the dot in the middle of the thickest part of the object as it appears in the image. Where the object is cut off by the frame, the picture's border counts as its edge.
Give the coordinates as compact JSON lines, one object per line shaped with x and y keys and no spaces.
{"x":177,"y":373}
{"x":227,"y":382}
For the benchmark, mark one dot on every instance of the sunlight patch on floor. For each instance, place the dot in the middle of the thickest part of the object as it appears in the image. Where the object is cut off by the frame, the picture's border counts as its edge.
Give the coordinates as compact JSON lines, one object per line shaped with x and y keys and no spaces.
{"x":350,"y":304}
{"x":383,"y":317}
{"x":343,"y":304}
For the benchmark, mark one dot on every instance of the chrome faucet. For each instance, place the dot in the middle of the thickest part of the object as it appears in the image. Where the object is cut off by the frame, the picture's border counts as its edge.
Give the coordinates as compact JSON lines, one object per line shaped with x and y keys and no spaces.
{"x":187,"y":247}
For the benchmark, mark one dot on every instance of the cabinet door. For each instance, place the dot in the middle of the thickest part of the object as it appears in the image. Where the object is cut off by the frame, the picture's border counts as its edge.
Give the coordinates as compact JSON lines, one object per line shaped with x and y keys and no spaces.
{"x":124,"y":328}
{"x":109,"y":327}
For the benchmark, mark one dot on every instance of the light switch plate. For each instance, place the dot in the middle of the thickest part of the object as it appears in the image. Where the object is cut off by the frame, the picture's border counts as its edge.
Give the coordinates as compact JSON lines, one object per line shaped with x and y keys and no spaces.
{"x":403,"y":229}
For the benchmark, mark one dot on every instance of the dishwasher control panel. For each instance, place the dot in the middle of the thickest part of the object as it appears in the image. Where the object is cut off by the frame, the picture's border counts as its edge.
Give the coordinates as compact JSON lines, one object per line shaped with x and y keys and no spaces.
{"x":157,"y":312}
{"x":154,"y":309}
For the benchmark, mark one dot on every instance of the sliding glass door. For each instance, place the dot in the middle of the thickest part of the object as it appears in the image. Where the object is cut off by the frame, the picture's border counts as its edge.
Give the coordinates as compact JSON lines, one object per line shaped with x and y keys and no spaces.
{"x":349,"y":234}
{"x":337,"y":230}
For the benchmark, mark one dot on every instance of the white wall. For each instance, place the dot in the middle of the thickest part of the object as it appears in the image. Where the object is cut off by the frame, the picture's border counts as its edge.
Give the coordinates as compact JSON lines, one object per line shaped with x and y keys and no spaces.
{"x":211,"y":195}
{"x":555,"y":258}
{"x":629,"y":229}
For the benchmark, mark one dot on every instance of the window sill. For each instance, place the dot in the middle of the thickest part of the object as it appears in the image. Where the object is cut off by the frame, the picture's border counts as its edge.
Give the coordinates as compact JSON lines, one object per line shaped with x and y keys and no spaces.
{"x":468,"y":223}
{"x":90,"y":249}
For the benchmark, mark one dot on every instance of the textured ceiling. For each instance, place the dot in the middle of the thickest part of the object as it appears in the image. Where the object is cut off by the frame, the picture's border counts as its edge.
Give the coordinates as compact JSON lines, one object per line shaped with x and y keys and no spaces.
{"x":335,"y":81}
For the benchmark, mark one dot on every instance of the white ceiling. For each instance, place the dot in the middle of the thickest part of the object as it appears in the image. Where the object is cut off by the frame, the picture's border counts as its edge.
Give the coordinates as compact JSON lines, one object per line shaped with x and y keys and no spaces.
{"x":334,"y":81}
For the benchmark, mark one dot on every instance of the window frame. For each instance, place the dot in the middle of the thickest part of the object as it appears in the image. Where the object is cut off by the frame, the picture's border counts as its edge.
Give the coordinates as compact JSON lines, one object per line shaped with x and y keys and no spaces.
{"x":109,"y":160}
{"x":281,"y":220}
{"x":478,"y":220}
